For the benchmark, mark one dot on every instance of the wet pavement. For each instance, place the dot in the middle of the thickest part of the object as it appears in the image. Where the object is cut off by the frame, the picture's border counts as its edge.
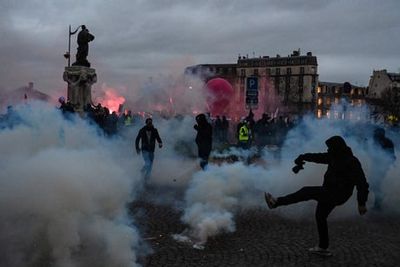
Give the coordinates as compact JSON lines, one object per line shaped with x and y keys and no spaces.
{"x":263,"y":238}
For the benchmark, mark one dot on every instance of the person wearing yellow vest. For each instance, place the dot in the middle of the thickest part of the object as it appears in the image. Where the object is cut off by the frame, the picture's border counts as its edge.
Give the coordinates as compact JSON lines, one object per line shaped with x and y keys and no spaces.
{"x":244,"y":135}
{"x":128,"y":119}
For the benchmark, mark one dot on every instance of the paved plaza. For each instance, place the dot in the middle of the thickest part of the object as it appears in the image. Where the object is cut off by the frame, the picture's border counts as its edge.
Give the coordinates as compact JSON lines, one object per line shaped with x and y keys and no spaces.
{"x":264,"y":238}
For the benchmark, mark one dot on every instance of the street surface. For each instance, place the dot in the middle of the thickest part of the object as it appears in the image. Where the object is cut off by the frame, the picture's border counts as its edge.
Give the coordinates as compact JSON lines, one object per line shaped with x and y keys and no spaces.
{"x":263,"y":238}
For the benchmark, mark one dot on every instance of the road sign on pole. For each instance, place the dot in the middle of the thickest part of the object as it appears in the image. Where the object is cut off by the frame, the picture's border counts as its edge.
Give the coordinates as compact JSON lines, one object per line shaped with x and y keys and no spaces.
{"x":252,"y":92}
{"x":252,"y":83}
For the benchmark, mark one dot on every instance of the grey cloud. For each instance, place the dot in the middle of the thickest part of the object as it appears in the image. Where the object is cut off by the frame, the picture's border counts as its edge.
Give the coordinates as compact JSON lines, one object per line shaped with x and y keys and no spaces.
{"x":139,"y":37}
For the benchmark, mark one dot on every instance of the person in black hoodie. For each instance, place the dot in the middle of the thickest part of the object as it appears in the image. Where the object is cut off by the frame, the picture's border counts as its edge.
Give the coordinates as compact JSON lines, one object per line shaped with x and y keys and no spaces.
{"x":203,"y":139}
{"x":343,"y":173}
{"x":149,"y":135}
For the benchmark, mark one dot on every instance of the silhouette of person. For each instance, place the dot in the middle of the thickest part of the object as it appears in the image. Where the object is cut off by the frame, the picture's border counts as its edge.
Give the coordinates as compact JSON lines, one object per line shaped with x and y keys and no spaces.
{"x":148,"y":135}
{"x":343,"y":173}
{"x":203,"y":139}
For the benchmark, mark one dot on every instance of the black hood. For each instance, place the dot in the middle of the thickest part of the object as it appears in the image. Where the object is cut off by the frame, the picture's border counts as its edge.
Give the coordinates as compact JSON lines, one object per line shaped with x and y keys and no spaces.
{"x":337,"y":146}
{"x":201,"y":119}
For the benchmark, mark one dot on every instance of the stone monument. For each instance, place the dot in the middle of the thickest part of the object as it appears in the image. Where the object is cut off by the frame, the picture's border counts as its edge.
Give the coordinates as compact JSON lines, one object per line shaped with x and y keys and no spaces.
{"x":80,"y":76}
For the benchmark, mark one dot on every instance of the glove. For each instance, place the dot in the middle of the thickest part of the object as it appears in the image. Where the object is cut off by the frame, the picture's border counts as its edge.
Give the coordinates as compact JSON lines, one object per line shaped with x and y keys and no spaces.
{"x":299,"y":160}
{"x":160,"y":145}
{"x":297,"y":168}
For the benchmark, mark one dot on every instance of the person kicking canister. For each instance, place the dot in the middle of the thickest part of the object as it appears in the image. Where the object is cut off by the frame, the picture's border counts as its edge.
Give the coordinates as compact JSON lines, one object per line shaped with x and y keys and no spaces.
{"x":343,"y":173}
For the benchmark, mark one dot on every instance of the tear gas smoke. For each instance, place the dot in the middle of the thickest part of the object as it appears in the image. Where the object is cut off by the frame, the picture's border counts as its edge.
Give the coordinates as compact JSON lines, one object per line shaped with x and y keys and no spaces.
{"x":63,"y":194}
{"x":216,"y":194}
{"x":168,"y":95}
{"x":78,"y":182}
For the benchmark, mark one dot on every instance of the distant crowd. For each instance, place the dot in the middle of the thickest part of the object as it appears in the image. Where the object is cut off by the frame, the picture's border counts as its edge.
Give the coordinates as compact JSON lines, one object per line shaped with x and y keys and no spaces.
{"x":245,"y":133}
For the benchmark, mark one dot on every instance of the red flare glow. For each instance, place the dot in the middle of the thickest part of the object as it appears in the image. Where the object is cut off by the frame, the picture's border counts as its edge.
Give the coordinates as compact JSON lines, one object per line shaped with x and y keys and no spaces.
{"x":111,"y":100}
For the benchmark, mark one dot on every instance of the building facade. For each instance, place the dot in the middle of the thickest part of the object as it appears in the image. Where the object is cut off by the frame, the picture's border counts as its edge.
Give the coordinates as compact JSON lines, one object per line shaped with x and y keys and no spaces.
{"x":292,"y":81}
{"x":381,"y":80}
{"x":383,"y":95}
{"x":329,"y":93}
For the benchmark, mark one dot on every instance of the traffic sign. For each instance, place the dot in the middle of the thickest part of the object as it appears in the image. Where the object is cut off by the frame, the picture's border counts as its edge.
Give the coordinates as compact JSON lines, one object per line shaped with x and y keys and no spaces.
{"x":252,"y":92}
{"x":252,"y":83}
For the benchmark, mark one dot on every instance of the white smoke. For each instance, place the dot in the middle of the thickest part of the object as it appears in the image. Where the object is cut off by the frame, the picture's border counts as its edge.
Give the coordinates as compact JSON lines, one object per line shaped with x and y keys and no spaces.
{"x":65,"y":188}
{"x":214,"y":196}
{"x":167,"y":94}
{"x":63,"y":193}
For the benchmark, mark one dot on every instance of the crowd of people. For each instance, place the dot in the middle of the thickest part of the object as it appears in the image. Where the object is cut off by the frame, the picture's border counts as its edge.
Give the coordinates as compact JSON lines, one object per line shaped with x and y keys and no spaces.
{"x":250,"y":132}
{"x":109,"y":122}
{"x":344,"y":171}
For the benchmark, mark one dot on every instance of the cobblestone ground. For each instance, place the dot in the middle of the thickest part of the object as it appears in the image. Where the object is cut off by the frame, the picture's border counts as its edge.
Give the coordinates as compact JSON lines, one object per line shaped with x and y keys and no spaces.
{"x":263,"y":238}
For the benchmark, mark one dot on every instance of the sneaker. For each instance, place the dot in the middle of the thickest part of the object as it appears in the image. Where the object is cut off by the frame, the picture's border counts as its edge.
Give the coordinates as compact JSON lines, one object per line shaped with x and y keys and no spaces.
{"x":271,"y":201}
{"x":320,"y":251}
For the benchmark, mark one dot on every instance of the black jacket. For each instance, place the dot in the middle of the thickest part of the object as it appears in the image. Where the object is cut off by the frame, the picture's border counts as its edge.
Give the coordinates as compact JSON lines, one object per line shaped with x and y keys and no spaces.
{"x":204,"y":136}
{"x":342,"y":175}
{"x":147,"y":145}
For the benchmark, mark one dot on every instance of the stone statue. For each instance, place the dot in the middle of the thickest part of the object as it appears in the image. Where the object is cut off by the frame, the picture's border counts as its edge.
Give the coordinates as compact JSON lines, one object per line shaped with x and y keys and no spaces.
{"x":84,"y":37}
{"x":80,"y":81}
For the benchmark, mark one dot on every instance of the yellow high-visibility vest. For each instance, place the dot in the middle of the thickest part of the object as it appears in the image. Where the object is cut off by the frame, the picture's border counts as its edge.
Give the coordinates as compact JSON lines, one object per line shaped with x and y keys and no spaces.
{"x":128,"y":121}
{"x":244,"y":133}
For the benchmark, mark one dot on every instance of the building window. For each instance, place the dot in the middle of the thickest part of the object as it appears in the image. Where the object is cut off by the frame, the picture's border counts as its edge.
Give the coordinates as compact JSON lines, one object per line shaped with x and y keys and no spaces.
{"x":328,"y":101}
{"x":242,"y":72}
{"x":301,"y":70}
{"x":278,"y":71}
{"x":256,"y":72}
{"x":288,"y":71}
{"x":319,"y":113}
{"x":268,"y":71}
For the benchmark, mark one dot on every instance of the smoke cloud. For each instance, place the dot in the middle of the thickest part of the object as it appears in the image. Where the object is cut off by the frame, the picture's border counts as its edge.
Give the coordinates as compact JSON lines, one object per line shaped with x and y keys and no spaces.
{"x":63,"y":194}
{"x":65,"y":187}
{"x":214,"y":196}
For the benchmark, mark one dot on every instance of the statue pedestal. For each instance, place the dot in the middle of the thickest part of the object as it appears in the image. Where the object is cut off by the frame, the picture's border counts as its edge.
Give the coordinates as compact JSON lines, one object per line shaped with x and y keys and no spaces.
{"x":80,"y":80}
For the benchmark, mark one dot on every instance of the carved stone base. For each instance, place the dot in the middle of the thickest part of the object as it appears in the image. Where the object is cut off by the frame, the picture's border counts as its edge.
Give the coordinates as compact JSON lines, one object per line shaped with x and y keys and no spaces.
{"x":80,"y":80}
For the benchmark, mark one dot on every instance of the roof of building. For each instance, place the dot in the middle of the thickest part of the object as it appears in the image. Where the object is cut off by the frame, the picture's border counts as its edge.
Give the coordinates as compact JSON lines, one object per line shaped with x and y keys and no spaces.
{"x":331,"y":84}
{"x":394,"y":77}
{"x":24,"y":93}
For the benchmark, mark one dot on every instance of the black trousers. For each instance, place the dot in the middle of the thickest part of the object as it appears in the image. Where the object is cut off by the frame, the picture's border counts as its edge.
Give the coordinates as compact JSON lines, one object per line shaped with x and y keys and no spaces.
{"x":324,"y":208}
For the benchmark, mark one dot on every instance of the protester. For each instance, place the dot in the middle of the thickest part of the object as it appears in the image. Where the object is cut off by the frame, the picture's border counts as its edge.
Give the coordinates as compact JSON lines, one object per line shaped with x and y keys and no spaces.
{"x":218,"y":129}
{"x":224,"y":129}
{"x":203,"y":139}
{"x":148,"y":136}
{"x":244,"y":136}
{"x":343,"y":173}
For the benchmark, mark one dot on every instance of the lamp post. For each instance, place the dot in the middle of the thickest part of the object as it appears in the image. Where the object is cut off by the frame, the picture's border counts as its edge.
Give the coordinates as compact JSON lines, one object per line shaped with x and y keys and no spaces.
{"x":67,"y":55}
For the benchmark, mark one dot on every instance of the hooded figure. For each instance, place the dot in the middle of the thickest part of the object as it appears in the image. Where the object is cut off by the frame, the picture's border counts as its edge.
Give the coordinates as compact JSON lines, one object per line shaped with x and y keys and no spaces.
{"x":203,"y":139}
{"x":343,"y":174}
{"x":148,"y":135}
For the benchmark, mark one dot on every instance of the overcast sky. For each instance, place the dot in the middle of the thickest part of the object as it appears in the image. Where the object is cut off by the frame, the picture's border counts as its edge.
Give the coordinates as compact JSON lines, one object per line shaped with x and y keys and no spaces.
{"x":144,"y":38}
